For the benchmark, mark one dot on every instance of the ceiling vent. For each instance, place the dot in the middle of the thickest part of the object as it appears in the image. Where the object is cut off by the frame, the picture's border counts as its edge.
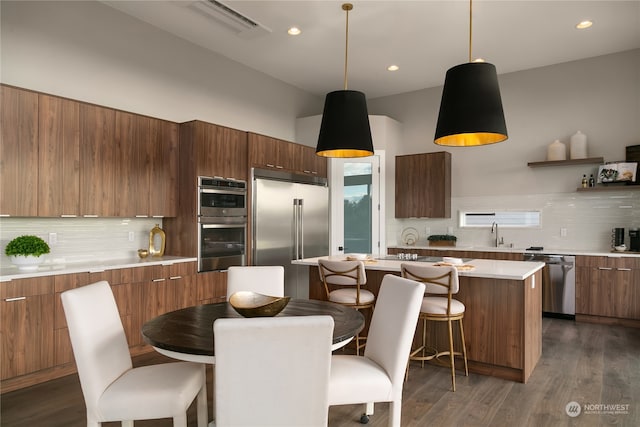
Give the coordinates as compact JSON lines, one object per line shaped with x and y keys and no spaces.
{"x":240,"y":24}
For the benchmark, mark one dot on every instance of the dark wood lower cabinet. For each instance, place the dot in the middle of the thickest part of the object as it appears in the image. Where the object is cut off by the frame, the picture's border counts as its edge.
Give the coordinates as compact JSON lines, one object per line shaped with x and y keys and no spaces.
{"x":34,"y":335}
{"x":608,"y":290}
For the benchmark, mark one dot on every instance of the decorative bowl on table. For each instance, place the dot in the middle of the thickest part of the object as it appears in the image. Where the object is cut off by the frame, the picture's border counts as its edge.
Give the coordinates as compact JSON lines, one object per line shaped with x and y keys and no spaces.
{"x":253,"y":304}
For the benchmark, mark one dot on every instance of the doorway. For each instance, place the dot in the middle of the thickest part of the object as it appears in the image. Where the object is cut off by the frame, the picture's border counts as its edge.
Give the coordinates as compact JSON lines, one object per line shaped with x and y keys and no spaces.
{"x":356,"y":217}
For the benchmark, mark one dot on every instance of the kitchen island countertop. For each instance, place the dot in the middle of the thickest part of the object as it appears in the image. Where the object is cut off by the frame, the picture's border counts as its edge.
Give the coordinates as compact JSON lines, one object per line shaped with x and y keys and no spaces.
{"x":484,"y":268}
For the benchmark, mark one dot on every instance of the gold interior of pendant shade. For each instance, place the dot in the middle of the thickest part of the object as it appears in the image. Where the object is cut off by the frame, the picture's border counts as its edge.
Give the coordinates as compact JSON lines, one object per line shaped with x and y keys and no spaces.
{"x":471,"y":111}
{"x":471,"y":139}
{"x":345,"y":129}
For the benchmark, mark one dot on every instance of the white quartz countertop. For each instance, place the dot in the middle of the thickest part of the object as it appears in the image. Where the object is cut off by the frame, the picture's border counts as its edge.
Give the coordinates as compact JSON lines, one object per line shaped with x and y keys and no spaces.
{"x":9,"y":272}
{"x":504,"y":249}
{"x":484,"y":268}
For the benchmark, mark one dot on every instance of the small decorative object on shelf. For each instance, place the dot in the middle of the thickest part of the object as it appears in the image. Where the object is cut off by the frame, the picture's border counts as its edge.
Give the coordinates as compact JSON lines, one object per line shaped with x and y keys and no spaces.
{"x":584,"y":181}
{"x":556,"y":151}
{"x":578,"y":147}
{"x":592,"y":181}
{"x":156,"y":249}
{"x":25,"y":252}
{"x":442,"y":240}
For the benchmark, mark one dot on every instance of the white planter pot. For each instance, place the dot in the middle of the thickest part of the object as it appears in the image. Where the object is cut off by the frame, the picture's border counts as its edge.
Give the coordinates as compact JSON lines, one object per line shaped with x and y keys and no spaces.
{"x":26,"y":263}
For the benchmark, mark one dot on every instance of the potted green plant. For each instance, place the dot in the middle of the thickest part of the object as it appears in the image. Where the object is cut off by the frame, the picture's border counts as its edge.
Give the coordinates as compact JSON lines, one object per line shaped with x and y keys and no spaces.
{"x":442,"y":240}
{"x":26,"y":252}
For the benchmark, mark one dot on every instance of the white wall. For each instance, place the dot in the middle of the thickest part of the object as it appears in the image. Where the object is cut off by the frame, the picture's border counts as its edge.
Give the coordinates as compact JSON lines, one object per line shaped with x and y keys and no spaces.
{"x":87,"y":51}
{"x":599,"y":96}
{"x":90,"y":52}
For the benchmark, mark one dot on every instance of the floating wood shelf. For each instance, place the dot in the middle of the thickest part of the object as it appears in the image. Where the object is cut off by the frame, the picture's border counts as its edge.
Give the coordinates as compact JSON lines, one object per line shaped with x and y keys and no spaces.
{"x":591,"y":160}
{"x":610,"y":188}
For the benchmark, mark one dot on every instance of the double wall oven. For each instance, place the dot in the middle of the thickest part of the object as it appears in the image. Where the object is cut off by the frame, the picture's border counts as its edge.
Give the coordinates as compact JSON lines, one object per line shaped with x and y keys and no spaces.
{"x":222,"y":223}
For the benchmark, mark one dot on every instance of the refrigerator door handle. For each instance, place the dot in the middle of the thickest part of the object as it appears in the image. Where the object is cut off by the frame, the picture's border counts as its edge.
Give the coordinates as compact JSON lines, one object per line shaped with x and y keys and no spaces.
{"x":301,"y":229}
{"x":295,"y":229}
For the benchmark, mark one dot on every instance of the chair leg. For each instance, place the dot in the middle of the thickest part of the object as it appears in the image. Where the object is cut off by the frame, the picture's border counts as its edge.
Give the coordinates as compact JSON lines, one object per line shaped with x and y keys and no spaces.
{"x":464,"y":349}
{"x":452,"y":357}
{"x":395,"y":412}
{"x":180,"y":420}
{"x":203,"y":411}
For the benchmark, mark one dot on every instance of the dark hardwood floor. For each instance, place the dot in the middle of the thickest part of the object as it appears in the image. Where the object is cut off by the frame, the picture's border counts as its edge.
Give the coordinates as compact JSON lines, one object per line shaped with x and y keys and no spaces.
{"x":593,"y":365}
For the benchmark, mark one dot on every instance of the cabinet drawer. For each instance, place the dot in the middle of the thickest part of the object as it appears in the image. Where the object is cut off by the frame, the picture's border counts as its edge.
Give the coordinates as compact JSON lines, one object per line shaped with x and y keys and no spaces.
{"x":26,"y":287}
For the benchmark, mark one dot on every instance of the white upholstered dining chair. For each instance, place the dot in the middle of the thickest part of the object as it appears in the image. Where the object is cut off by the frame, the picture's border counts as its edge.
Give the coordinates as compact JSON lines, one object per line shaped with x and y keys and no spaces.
{"x":263,"y":279}
{"x":113,"y":390}
{"x":379,"y":375}
{"x":272,"y":371}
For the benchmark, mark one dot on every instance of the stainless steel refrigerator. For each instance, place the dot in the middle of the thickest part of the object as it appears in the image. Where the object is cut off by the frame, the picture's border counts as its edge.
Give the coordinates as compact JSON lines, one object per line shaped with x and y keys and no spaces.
{"x":290,"y":221}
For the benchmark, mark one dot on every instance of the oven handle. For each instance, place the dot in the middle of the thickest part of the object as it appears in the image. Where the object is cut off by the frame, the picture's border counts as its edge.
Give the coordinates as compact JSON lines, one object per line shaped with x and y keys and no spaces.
{"x":208,"y":191}
{"x":301,"y":228}
{"x":206,"y":226}
{"x":296,"y":246}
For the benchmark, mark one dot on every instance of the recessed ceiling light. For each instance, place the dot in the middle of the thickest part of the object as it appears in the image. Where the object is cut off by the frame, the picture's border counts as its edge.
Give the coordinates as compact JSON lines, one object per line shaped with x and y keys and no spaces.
{"x":584,"y":24}
{"x":393,"y":68}
{"x":294,"y":31}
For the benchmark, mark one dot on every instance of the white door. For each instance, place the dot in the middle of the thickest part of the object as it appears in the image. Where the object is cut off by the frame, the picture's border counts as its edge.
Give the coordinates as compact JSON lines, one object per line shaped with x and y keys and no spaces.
{"x":356,"y":189}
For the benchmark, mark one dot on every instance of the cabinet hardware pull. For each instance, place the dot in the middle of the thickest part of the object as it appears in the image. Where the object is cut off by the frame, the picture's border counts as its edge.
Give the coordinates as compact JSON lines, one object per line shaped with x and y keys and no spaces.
{"x":279,"y":167}
{"x":15,"y":299}
{"x":623,"y":269}
{"x":90,"y":216}
{"x":68,"y":216}
{"x":269,"y":165}
{"x":158,"y":280}
{"x":605,"y":268}
{"x":7,"y":215}
{"x":142,"y":216}
{"x":175,"y":277}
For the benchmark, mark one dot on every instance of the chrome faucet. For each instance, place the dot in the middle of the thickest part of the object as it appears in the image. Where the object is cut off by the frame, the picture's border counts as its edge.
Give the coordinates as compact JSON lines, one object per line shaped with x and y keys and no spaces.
{"x":494,"y":229}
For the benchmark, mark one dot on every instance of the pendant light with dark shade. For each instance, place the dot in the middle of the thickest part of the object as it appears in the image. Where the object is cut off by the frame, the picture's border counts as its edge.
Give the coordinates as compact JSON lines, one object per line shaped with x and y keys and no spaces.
{"x":471,"y":108}
{"x":345,"y":129}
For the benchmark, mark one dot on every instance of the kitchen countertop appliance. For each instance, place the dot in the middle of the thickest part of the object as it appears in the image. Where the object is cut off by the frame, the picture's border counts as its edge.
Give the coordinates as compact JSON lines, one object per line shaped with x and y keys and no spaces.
{"x":290,"y":222}
{"x":558,"y":284}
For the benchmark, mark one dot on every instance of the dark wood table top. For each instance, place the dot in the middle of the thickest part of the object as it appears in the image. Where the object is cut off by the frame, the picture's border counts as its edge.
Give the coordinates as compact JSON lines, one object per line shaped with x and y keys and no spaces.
{"x":190,"y":330}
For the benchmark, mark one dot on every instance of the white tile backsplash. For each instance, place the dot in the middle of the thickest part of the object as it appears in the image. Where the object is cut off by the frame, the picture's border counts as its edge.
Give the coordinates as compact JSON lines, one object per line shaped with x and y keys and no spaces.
{"x":588,"y":218}
{"x":82,"y":239}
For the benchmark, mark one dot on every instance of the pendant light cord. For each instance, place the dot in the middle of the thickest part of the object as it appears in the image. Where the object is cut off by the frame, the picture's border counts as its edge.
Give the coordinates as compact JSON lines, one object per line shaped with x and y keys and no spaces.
{"x":346,"y":7}
{"x":470,"y":27}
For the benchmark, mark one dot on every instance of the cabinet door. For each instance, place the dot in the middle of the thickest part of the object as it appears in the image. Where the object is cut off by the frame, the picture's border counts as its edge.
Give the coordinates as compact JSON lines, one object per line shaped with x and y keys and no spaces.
{"x":18,"y":152}
{"x":132,"y":162}
{"x":219,"y":151}
{"x":212,"y":287}
{"x":423,"y":185}
{"x":59,"y":156}
{"x":311,"y":163}
{"x":97,"y":171}
{"x":26,"y":326}
{"x":271,"y":153}
{"x":163,"y":173}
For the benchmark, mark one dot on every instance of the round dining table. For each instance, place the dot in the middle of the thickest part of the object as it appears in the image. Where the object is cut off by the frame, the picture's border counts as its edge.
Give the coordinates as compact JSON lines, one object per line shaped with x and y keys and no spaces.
{"x":187,"y":334}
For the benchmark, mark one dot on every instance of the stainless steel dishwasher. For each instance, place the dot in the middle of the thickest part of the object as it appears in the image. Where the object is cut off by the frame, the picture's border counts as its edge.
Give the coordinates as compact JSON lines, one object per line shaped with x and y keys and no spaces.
{"x":558,"y":284}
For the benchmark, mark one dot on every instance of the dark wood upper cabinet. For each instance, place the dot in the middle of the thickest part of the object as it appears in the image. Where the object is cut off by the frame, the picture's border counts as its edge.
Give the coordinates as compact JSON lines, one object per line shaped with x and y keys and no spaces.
{"x":272,"y":153}
{"x":59,"y":157}
{"x":18,"y":152}
{"x":211,"y":150}
{"x":164,"y":161}
{"x":423,"y":185}
{"x":97,"y":161}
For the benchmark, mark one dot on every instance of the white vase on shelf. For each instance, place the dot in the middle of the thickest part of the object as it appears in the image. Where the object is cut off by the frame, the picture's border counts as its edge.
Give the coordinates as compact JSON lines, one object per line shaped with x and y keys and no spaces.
{"x":556,"y":151}
{"x":578,"y":147}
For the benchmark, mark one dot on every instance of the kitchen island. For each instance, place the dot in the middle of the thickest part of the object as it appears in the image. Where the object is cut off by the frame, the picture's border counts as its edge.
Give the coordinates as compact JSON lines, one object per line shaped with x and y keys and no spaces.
{"x":503,"y":317}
